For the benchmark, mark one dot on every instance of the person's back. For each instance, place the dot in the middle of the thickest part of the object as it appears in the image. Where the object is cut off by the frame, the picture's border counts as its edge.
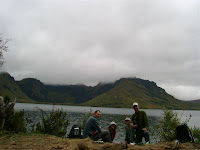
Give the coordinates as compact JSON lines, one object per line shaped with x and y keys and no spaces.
{"x":93,"y":130}
{"x":91,"y":126}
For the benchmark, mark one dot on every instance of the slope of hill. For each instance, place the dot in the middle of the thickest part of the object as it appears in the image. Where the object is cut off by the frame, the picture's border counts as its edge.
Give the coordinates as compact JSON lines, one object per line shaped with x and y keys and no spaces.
{"x":34,"y":89}
{"x":9,"y":87}
{"x":121,"y":93}
{"x":76,"y":93}
{"x":194,"y":104}
{"x":128,"y":90}
{"x":60,"y":93}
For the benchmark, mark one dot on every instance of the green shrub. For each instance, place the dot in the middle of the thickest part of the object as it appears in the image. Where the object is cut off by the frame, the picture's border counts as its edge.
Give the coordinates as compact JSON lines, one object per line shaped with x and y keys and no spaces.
{"x":6,"y":100}
{"x":54,"y":123}
{"x":196,"y":134}
{"x":15,"y":122}
{"x":166,"y":129}
{"x":85,"y":118}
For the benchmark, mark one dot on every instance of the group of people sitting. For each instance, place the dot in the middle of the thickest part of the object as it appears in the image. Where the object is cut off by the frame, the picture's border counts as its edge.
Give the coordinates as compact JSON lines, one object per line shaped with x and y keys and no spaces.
{"x":135,"y":129}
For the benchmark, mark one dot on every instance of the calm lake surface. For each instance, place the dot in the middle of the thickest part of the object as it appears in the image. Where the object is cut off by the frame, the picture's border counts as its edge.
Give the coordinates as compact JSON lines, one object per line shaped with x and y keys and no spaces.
{"x":75,"y":113}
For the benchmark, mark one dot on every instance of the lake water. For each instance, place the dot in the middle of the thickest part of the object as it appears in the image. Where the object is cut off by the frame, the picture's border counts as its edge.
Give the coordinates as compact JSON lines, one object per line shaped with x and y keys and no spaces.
{"x":75,"y":113}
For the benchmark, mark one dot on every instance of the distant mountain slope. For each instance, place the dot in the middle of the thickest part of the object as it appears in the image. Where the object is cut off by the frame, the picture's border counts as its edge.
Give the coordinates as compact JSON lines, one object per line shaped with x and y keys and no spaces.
{"x":60,"y":93}
{"x":121,"y":93}
{"x":8,"y":86}
{"x":129,"y":90}
{"x":34,"y":89}
{"x":194,"y":104}
{"x":76,"y":93}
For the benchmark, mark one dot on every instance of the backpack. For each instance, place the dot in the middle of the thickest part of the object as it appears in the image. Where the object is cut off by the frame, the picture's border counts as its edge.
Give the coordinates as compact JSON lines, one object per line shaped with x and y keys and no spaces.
{"x":75,"y":132}
{"x":183,"y":134}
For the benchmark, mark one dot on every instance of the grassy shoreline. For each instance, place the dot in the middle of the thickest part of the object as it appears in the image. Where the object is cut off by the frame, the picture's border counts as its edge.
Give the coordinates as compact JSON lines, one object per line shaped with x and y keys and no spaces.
{"x":44,"y":141}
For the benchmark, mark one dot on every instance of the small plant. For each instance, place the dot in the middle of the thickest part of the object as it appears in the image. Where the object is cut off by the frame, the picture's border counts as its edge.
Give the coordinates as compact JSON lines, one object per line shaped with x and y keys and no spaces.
{"x":196,"y":134}
{"x":6,"y":100}
{"x":166,"y":129}
{"x":15,"y":122}
{"x":54,"y":123}
{"x":85,"y":118}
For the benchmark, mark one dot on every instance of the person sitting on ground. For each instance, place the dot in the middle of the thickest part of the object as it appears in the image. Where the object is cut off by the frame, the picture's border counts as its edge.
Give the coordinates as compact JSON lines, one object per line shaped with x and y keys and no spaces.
{"x":93,"y":130}
{"x":112,"y":129}
{"x":2,"y":114}
{"x":130,"y":132}
{"x":141,"y":124}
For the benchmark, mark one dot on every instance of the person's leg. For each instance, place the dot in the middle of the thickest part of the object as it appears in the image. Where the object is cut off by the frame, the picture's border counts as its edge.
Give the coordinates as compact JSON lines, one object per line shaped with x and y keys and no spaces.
{"x":139,"y":137}
{"x":96,"y":137}
{"x":106,"y":136}
{"x":146,"y":136}
{"x":2,"y":121}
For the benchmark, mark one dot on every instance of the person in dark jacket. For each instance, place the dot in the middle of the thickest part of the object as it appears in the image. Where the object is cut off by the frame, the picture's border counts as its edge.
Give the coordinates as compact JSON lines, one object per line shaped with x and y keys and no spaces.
{"x":93,"y":130}
{"x":141,"y":124}
{"x":129,"y":131}
{"x":112,"y":129}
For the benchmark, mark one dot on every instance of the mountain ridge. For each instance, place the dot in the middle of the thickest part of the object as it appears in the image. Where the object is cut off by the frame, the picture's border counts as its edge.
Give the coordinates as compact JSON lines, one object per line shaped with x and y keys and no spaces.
{"x":121,"y":93}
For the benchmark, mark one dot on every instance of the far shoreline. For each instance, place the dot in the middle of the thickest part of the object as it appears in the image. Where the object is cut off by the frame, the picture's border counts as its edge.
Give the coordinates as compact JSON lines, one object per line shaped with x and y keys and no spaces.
{"x":81,"y":105}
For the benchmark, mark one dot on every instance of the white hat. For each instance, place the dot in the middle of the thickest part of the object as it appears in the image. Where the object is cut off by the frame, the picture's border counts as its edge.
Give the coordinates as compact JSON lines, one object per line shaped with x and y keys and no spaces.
{"x":135,"y":104}
{"x":113,"y":123}
{"x":128,"y":119}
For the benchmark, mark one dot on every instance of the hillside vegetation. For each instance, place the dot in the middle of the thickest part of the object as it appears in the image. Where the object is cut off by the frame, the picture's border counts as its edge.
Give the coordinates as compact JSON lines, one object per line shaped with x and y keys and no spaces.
{"x":8,"y":86}
{"x":121,"y":93}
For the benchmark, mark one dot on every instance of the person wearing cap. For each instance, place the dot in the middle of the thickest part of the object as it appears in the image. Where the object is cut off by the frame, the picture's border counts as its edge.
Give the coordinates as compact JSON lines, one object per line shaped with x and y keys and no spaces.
{"x":141,"y":124}
{"x":130,"y":132}
{"x":93,"y":130}
{"x":112,"y":128}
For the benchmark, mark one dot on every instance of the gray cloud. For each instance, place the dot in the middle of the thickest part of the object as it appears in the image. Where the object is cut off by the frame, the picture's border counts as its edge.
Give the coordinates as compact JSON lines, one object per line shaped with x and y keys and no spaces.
{"x":88,"y":41}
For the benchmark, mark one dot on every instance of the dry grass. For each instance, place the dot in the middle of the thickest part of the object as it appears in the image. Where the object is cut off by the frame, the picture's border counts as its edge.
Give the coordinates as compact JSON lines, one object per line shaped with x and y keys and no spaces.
{"x":48,"y":142}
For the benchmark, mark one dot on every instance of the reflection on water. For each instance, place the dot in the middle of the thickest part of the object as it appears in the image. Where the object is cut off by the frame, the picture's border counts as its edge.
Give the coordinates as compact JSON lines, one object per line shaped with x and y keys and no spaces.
{"x":75,"y":114}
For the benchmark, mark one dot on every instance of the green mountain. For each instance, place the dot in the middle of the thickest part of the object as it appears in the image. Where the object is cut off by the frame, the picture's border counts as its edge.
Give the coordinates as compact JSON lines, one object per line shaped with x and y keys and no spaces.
{"x":121,"y":93}
{"x":34,"y":89}
{"x":75,"y":94}
{"x":129,"y":90}
{"x":8,"y":86}
{"x":194,"y":104}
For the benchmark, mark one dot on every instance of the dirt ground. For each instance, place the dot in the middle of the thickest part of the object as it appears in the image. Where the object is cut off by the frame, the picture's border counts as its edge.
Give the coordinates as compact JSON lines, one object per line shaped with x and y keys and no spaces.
{"x":48,"y":142}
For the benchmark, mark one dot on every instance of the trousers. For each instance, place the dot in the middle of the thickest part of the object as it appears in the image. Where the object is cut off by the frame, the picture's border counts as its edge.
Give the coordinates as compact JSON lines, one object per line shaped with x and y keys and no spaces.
{"x":105,"y":135}
{"x":140,"y":135}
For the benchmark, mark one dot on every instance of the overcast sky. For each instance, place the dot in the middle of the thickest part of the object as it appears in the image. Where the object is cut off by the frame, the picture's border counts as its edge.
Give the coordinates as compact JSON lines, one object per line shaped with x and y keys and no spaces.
{"x":91,"y":41}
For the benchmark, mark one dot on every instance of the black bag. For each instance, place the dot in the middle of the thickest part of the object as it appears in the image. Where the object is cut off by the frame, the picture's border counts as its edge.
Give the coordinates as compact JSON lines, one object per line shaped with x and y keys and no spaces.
{"x":75,"y":132}
{"x":183,"y":134}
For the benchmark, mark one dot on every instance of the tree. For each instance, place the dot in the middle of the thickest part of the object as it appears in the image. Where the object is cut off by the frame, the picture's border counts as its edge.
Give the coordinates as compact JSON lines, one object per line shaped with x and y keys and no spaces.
{"x":3,"y":48}
{"x":166,"y":129}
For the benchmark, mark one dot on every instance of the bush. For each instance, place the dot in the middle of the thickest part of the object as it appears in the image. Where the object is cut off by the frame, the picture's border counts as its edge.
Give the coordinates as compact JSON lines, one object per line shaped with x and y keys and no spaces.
{"x":166,"y":129}
{"x":15,"y":122}
{"x":6,"y":100}
{"x":54,"y":123}
{"x":196,"y":134}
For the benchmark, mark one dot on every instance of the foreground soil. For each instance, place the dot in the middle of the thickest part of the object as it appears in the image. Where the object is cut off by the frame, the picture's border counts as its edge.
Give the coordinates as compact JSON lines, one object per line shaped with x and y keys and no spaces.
{"x":48,"y":142}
